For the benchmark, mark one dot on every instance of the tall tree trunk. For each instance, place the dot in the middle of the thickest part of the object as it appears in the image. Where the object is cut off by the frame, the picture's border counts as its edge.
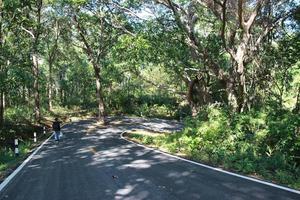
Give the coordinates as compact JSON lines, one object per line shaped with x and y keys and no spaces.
{"x":100,"y":100}
{"x":93,"y":58}
{"x":35,"y":35}
{"x":50,"y":87}
{"x":1,"y":68}
{"x":240,"y":77}
{"x":37,"y":111}
{"x":231,"y":94}
{"x":2,"y":108}
{"x":51,"y":58}
{"x":190,"y":95}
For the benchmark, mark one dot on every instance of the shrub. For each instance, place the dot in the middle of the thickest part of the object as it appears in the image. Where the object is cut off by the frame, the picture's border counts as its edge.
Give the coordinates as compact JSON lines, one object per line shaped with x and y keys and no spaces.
{"x":263,"y":142}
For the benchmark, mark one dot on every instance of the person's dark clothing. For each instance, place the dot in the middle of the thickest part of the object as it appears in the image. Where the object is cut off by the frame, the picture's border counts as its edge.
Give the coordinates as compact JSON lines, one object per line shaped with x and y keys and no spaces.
{"x":56,"y":126}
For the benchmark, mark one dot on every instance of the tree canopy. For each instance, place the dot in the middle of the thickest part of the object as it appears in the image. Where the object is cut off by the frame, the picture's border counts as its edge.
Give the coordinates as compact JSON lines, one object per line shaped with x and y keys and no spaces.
{"x":155,"y":58}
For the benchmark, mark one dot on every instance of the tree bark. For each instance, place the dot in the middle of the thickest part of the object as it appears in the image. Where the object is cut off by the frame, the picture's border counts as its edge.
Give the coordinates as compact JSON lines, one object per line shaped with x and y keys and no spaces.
{"x":97,"y":69}
{"x":50,"y":87}
{"x":37,"y":111}
{"x":100,"y":100}
{"x":240,"y":76}
{"x":35,"y":36}
{"x":1,"y":69}
{"x":2,"y":108}
{"x":231,"y":94}
{"x":51,"y":58}
{"x":198,"y":93}
{"x":190,"y":94}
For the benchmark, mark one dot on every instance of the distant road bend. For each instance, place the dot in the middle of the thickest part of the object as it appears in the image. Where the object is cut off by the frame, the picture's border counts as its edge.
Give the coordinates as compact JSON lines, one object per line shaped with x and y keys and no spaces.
{"x":95,"y":163}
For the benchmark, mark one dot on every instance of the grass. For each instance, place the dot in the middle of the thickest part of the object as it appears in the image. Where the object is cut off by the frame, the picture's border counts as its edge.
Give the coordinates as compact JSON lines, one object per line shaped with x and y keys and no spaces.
{"x":8,"y":160}
{"x":165,"y":142}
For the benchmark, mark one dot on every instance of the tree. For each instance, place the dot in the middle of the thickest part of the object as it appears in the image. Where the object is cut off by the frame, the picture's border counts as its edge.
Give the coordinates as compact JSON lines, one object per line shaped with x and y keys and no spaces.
{"x":56,"y":35}
{"x":255,"y":21}
{"x":98,"y":30}
{"x":94,"y":55}
{"x":2,"y":70}
{"x":7,"y":17}
{"x":33,"y":26}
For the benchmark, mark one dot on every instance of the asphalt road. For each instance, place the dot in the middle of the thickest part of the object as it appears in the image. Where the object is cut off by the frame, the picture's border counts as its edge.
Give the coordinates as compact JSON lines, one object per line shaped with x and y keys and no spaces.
{"x":93,"y":163}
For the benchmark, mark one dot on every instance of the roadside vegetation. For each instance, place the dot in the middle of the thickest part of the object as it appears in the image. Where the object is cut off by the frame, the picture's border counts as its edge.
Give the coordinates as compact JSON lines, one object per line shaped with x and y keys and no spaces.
{"x":8,"y":160}
{"x":20,"y":125}
{"x":229,"y":69}
{"x":260,"y":143}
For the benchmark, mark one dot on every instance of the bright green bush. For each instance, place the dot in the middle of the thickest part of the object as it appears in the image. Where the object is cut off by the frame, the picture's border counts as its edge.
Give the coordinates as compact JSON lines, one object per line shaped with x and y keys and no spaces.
{"x":8,"y":158}
{"x":264,"y":143}
{"x":19,"y":114}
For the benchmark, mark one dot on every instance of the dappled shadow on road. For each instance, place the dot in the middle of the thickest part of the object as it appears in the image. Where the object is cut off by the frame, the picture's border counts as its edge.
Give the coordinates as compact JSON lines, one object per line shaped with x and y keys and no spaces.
{"x":100,"y":165}
{"x":158,"y":125}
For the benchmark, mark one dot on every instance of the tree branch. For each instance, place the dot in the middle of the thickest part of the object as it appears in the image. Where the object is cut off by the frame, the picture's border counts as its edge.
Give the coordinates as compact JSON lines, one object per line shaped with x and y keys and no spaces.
{"x":127,"y":10}
{"x":253,"y":15}
{"x":223,"y":5}
{"x":120,"y":27}
{"x":29,"y":32}
{"x":82,"y":35}
{"x":268,"y":28}
{"x":240,"y":13}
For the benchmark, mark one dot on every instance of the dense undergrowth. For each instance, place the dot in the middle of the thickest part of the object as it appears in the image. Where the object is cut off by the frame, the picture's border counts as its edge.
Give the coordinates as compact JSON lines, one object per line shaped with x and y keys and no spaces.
{"x":263,"y":143}
{"x":155,"y":105}
{"x":9,"y":160}
{"x":20,"y":124}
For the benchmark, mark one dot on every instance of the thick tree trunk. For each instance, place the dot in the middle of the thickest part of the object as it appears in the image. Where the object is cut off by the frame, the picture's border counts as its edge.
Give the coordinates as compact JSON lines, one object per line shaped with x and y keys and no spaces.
{"x":100,"y":100}
{"x":190,"y":94}
{"x":2,"y":108}
{"x":51,"y":58}
{"x":231,"y":94}
{"x":35,"y":34}
{"x":35,"y":68}
{"x":241,"y":78}
{"x":92,"y":56}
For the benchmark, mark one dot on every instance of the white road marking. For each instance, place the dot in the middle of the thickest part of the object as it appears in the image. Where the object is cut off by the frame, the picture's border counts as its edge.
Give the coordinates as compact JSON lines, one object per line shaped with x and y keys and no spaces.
{"x":214,"y":168}
{"x":12,"y":175}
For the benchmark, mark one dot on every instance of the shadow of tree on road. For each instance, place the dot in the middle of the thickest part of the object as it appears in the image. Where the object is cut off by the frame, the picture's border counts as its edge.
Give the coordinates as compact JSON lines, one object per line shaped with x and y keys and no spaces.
{"x":100,"y":165}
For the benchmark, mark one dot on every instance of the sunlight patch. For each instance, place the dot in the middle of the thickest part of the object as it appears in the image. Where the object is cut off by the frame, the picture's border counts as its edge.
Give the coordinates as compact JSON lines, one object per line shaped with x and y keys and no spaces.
{"x":138,"y":164}
{"x":125,"y":191}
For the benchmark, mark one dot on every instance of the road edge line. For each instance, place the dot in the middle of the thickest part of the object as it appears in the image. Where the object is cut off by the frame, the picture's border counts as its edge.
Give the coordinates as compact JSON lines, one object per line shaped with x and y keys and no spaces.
{"x":214,"y":168}
{"x":20,"y":167}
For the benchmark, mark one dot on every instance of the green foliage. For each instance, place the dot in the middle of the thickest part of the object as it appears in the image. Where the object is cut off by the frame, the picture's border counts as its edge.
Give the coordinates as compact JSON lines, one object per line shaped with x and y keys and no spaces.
{"x":19,"y":114}
{"x":265,"y":143}
{"x":8,"y":158}
{"x":146,"y":105}
{"x":160,"y":67}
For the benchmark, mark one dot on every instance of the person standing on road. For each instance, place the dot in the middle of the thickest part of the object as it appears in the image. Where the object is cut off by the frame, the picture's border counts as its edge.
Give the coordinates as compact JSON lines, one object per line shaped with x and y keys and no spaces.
{"x":56,"y":129}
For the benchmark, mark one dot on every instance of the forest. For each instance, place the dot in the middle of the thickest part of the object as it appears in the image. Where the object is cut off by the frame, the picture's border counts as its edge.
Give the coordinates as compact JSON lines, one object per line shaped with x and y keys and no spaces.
{"x":228,"y":69}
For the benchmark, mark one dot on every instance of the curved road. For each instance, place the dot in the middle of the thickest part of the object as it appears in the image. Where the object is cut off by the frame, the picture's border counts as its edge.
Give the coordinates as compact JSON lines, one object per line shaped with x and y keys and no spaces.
{"x":94,"y":163}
